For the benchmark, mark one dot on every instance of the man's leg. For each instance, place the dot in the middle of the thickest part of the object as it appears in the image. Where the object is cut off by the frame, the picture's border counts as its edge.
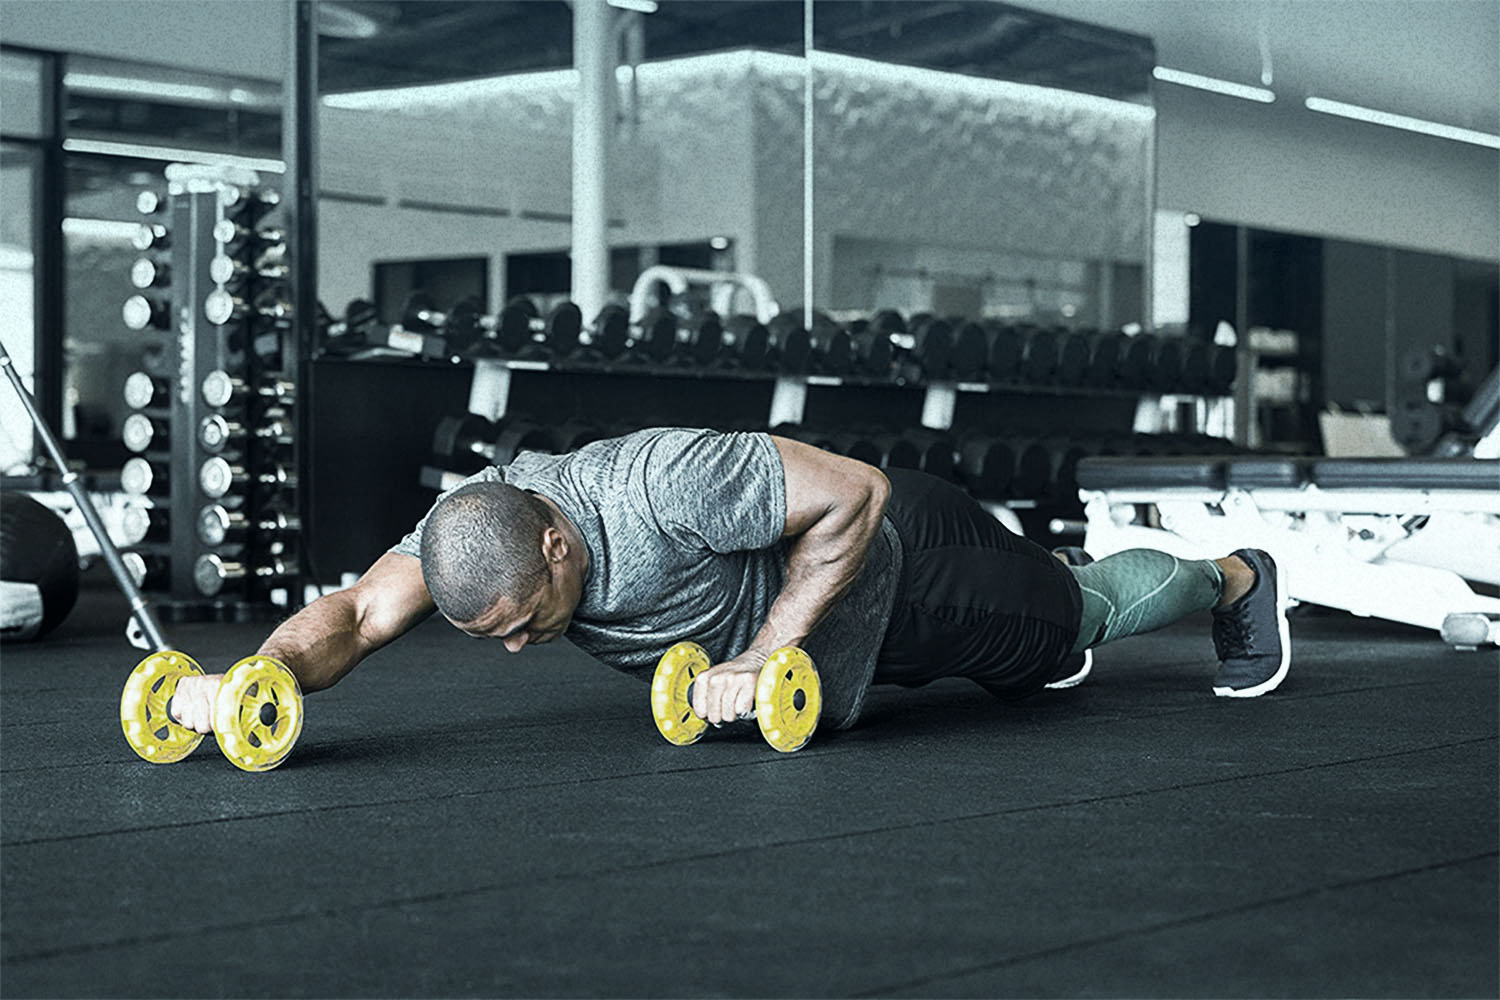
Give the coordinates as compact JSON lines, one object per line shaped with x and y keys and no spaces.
{"x":1140,"y":590}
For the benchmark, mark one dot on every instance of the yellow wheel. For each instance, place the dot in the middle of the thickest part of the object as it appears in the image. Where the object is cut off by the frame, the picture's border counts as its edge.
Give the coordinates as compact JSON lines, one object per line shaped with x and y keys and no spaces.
{"x":788,"y":699}
{"x":258,"y":713}
{"x":149,"y":730}
{"x":670,"y":705}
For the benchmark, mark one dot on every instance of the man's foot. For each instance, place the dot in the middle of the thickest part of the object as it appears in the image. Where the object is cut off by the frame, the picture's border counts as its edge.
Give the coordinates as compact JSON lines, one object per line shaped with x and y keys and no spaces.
{"x":1251,"y":635}
{"x":1076,"y":667}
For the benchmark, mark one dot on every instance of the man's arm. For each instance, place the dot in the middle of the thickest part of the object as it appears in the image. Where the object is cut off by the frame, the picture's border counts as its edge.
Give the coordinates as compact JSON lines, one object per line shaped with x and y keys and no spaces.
{"x":328,"y":638}
{"x":833,"y":510}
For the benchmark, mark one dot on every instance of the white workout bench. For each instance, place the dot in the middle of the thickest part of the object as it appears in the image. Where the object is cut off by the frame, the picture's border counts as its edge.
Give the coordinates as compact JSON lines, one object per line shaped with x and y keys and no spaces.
{"x":1389,"y":538}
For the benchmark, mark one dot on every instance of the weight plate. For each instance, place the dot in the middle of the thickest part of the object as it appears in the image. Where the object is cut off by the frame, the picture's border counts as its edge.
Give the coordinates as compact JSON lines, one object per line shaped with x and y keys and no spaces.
{"x":258,"y":713}
{"x":670,"y":706}
{"x":788,"y":699}
{"x":149,"y":730}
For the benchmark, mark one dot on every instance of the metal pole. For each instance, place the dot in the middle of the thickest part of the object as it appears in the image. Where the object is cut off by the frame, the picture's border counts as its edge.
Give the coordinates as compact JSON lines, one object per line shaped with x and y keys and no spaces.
{"x":593,"y":46}
{"x":807,"y":163}
{"x":299,"y":147}
{"x":70,"y":481}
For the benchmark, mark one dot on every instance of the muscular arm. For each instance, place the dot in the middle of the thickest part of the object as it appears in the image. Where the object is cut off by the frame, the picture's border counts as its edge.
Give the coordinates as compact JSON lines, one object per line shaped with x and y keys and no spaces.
{"x":833,"y":510}
{"x":327,"y":639}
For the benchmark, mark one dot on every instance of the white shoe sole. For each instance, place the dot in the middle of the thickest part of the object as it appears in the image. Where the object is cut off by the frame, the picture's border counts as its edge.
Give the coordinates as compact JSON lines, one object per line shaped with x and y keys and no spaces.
{"x":1079,"y":677}
{"x":1283,"y":628}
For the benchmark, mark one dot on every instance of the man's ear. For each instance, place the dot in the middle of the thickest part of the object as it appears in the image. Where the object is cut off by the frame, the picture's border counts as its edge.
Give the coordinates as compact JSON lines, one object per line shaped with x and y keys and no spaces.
{"x":554,"y":545}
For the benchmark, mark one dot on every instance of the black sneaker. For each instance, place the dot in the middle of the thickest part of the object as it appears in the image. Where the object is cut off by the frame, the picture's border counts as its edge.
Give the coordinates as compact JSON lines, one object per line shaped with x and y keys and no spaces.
{"x":1075,"y":668}
{"x":1251,"y":635}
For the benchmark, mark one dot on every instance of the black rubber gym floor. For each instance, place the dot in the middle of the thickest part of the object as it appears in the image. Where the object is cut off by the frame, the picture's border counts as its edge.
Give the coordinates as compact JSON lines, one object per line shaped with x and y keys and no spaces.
{"x":458,"y":821}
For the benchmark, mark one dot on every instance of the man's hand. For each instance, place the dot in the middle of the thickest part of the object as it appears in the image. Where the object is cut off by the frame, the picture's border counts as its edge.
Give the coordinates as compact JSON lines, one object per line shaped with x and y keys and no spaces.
{"x":726,"y":692}
{"x":193,"y":702}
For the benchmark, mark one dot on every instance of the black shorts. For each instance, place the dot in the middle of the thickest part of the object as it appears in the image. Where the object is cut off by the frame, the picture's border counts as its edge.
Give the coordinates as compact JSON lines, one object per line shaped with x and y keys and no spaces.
{"x":975,"y":599}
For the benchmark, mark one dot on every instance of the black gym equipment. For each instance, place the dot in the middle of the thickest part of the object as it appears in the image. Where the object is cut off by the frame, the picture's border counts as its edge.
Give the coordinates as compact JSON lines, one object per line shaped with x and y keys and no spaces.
{"x":37,"y":555}
{"x":72,"y":483}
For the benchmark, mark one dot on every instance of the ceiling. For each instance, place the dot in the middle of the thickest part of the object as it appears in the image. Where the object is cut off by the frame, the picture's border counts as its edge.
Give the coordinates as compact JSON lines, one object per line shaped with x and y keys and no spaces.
{"x":1433,"y":59}
{"x":429,"y":41}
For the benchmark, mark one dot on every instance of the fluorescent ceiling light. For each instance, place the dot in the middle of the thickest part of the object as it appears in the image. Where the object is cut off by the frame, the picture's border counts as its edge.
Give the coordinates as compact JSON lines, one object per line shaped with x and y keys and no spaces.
{"x":1213,"y":85}
{"x":643,"y":6}
{"x":186,"y":93}
{"x":1360,"y":114}
{"x":172,"y":155}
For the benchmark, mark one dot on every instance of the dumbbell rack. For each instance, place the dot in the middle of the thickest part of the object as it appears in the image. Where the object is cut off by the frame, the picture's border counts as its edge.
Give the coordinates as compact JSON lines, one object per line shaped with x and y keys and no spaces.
{"x":228,"y":545}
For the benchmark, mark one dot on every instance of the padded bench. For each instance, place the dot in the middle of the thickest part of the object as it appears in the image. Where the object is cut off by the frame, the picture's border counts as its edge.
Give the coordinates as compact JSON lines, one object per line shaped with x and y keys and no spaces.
{"x":1396,"y":538}
{"x":1262,"y":472}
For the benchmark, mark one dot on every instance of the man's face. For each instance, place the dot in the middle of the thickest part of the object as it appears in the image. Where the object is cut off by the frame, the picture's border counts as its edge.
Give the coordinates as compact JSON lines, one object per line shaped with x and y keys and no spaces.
{"x":541,"y":617}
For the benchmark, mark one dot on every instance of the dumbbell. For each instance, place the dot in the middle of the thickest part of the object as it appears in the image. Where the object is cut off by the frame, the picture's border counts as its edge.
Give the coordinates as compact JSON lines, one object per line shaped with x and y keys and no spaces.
{"x":989,"y":466}
{"x":749,"y":342}
{"x":1102,"y":369}
{"x":145,"y":525}
{"x":575,"y":434}
{"x":1165,"y":371}
{"x":1133,"y":367}
{"x":1197,"y":356}
{"x":352,"y":333}
{"x":702,"y":339}
{"x":937,"y":454}
{"x":466,"y":442}
{"x":151,"y":236}
{"x":217,"y":434}
{"x":1034,"y":466}
{"x":930,"y":345}
{"x":791,"y":343}
{"x":788,"y":697}
{"x":238,"y":239}
{"x":1038,"y":354}
{"x":1003,"y":354}
{"x":873,"y":347}
{"x":247,"y":206}
{"x":971,"y":348}
{"x":144,"y":477}
{"x":1418,"y":423}
{"x":830,"y":349}
{"x":148,"y":570}
{"x":218,"y":525}
{"x":1072,"y":357}
{"x":857,"y":446}
{"x":234,"y":273}
{"x":146,"y":392}
{"x":1222,"y":368}
{"x":143,"y":311}
{"x":211,"y":572}
{"x":898,"y":452}
{"x":150,"y":272}
{"x":142,"y":433}
{"x":223,"y":307}
{"x":520,"y":330}
{"x":218,"y":476}
{"x":220,"y":388}
{"x":257,"y":715}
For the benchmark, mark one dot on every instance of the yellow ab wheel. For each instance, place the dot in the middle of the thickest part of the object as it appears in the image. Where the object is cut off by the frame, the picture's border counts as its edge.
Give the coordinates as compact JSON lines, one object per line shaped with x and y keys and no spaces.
{"x":258,"y":713}
{"x":149,"y":729}
{"x":788,"y":699}
{"x":670,"y":705}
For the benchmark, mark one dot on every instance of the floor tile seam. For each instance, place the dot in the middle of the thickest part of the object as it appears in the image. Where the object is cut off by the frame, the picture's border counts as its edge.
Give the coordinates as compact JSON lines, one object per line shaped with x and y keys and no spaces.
{"x":1178,"y":923}
{"x":470,"y":793}
{"x":919,"y":824}
{"x":336,"y":913}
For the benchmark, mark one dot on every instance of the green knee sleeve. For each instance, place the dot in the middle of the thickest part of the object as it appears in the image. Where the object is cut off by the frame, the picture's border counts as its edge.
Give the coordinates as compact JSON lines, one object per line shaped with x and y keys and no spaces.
{"x":1140,"y":590}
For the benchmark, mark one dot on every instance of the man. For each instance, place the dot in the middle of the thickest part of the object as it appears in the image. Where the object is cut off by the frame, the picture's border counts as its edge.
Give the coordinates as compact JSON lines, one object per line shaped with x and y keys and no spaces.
{"x":747,"y":542}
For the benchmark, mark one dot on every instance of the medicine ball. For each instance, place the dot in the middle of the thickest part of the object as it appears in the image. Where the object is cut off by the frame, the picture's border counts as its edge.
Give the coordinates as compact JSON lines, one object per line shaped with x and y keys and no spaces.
{"x":37,"y":548}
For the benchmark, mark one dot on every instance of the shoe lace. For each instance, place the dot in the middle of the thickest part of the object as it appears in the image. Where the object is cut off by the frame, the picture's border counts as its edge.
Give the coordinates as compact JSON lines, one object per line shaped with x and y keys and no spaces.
{"x":1232,"y":634}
